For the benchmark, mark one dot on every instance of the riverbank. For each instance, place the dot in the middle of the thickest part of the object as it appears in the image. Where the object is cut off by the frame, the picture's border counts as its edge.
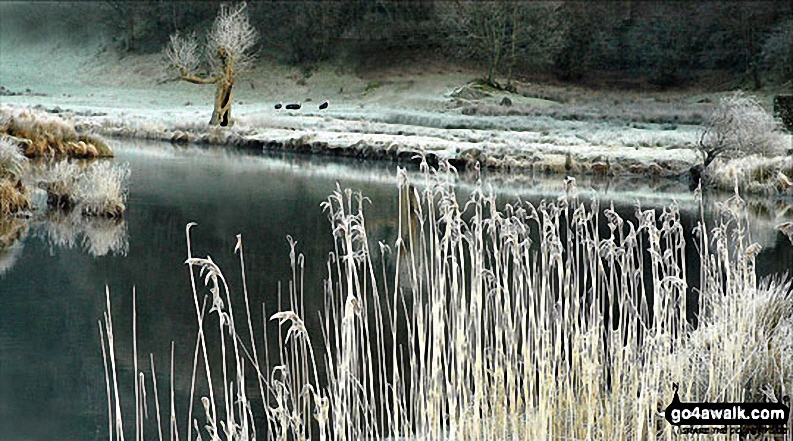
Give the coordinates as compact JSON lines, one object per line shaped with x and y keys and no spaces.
{"x":427,"y":109}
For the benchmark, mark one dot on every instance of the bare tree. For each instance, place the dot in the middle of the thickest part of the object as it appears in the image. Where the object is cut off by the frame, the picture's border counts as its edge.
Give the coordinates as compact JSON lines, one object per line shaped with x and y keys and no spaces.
{"x":227,"y":53}
{"x":738,"y":126}
{"x":499,"y":32}
{"x":484,"y":26}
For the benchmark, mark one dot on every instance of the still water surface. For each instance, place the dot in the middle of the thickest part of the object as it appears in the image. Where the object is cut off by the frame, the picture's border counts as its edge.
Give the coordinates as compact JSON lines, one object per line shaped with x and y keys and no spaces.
{"x":52,"y":282}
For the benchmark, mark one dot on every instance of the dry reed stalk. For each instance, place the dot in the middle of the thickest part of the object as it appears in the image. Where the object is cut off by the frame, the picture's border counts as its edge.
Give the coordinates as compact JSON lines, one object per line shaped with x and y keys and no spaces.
{"x":13,"y":197}
{"x":516,"y":322}
{"x":156,"y":396}
{"x":50,"y":135}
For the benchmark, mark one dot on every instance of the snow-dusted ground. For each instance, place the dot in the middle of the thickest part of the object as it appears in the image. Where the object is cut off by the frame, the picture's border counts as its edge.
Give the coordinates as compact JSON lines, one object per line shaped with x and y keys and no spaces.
{"x":401,"y":113}
{"x":396,"y":112}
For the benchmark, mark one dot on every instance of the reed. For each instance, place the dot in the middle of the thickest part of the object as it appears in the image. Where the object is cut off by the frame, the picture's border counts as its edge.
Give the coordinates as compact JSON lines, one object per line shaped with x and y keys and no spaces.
{"x":755,"y":174}
{"x":47,"y":135}
{"x":94,"y":189}
{"x":13,"y":195}
{"x":521,"y":321}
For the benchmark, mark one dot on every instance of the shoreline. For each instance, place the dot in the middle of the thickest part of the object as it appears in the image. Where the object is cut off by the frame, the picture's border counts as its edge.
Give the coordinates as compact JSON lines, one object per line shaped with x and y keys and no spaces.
{"x":401,"y":137}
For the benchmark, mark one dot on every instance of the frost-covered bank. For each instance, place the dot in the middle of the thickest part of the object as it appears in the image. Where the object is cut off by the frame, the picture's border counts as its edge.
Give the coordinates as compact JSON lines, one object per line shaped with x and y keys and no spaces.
{"x":399,"y":114}
{"x":535,"y":136}
{"x":539,"y":142}
{"x":42,"y":134}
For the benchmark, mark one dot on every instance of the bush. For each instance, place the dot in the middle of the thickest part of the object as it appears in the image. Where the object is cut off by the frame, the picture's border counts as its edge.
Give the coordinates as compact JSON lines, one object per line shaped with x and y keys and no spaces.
{"x":738,"y":126}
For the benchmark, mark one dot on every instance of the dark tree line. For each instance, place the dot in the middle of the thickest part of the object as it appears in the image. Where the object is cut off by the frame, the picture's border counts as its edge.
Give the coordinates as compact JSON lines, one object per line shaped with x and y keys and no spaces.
{"x":670,"y":42}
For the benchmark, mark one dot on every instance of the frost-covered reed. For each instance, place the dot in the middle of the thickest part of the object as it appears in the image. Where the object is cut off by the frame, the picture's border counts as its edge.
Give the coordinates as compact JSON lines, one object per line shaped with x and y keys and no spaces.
{"x":47,"y":135}
{"x":13,"y":195}
{"x":522,"y":321}
{"x":755,"y":174}
{"x":93,"y":189}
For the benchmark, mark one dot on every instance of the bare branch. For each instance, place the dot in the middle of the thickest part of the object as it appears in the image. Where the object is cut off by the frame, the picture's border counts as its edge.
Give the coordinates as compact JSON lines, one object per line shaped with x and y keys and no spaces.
{"x":181,"y":54}
{"x":232,"y":36}
{"x":195,"y":79}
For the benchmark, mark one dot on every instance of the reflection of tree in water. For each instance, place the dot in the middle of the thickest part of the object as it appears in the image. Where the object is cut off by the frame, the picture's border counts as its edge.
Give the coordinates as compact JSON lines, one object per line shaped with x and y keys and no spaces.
{"x":13,"y":232}
{"x":97,"y":236}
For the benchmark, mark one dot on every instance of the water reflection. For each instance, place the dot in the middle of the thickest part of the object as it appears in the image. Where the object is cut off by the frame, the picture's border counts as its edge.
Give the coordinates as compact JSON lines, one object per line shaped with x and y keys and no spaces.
{"x":97,"y":236}
{"x":54,"y":266}
{"x":69,"y":219}
{"x":13,"y":232}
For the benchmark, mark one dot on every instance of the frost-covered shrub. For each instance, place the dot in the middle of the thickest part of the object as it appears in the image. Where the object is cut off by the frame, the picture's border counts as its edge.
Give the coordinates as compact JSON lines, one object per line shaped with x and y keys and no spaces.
{"x":739,"y":126}
{"x":13,"y":197}
{"x":11,"y":160}
{"x":101,"y":189}
{"x":96,"y":190}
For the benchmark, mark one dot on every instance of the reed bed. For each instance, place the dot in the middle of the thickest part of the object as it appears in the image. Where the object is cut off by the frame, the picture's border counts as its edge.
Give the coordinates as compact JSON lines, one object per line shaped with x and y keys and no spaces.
{"x":92,"y":189}
{"x":548,"y":321}
{"x":755,"y":174}
{"x":46,"y":135}
{"x":13,"y":195}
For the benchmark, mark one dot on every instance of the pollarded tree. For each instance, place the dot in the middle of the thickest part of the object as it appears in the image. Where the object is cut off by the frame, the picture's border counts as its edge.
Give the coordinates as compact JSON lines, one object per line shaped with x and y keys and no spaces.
{"x":227,"y":54}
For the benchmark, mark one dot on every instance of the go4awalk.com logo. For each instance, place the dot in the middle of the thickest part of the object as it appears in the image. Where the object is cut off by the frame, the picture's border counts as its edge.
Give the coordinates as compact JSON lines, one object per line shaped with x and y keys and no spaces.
{"x":769,"y":418}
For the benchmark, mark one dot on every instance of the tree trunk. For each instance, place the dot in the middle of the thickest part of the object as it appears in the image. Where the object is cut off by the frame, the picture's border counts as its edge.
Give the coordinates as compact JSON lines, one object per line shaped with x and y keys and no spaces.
{"x":512,"y":42}
{"x":221,"y":115}
{"x":491,"y":74}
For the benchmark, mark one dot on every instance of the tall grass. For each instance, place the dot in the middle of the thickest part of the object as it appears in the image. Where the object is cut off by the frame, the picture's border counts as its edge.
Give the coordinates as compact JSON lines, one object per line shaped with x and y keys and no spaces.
{"x":47,"y":135}
{"x":13,"y":195}
{"x":93,"y":189}
{"x":548,"y":321}
{"x":755,"y":174}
